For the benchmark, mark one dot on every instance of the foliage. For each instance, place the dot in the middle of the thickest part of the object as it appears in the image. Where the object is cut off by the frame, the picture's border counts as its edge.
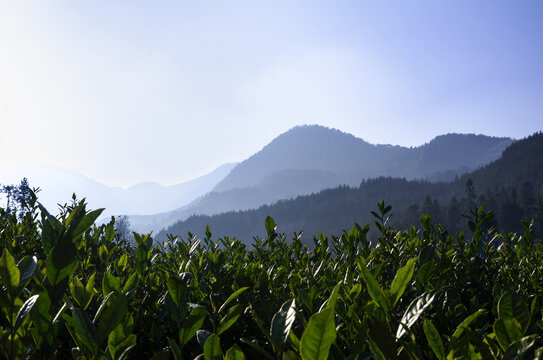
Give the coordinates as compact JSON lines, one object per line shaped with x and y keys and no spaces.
{"x":72,"y":289}
{"x":18,"y":197}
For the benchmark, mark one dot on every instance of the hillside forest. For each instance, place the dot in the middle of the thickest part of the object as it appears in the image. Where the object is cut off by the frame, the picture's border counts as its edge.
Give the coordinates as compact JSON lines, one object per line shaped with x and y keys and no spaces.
{"x":511,"y":187}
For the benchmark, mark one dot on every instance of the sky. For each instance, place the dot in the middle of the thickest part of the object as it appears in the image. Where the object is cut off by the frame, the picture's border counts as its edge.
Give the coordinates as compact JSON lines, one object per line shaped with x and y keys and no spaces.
{"x":132,"y":91}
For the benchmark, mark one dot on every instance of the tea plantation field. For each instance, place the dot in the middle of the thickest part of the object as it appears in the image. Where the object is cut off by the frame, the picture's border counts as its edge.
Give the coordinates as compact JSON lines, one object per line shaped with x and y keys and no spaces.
{"x":73,"y":290}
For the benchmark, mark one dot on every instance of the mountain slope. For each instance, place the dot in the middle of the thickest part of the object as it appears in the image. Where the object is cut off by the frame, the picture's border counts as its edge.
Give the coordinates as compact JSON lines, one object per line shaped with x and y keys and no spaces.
{"x":332,"y":210}
{"x":308,"y":159}
{"x":58,"y":185}
{"x":353,"y":159}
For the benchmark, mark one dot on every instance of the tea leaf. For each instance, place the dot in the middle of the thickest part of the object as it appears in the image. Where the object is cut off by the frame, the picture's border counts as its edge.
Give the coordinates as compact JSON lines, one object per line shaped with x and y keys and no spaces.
{"x":281,"y":324}
{"x":9,"y":273}
{"x":232,"y":298}
{"x":402,"y":278}
{"x":414,"y":311}
{"x":212,"y":348}
{"x":319,"y":335}
{"x":192,"y":324}
{"x":374,"y":289}
{"x":434,"y":339}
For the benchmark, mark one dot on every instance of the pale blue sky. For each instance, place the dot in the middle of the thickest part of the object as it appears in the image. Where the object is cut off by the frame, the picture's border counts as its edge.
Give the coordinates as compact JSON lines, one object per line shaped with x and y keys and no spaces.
{"x":132,"y":91}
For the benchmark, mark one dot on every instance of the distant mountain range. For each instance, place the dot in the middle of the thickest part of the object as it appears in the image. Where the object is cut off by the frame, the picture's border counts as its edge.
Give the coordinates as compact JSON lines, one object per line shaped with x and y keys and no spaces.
{"x":512,"y":186}
{"x":345,"y":159}
{"x":304,"y":160}
{"x":57,"y":186}
{"x":310,"y":158}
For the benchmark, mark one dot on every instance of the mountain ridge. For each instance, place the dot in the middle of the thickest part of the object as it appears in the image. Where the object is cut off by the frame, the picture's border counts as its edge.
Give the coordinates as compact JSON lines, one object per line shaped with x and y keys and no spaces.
{"x":332,"y":210}
{"x":57,"y":183}
{"x":310,"y":158}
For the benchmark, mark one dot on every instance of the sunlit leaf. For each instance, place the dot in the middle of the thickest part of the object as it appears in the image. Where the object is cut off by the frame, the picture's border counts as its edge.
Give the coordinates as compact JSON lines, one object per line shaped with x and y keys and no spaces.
{"x":281,"y":324}
{"x":212,"y":348}
{"x":318,"y":336}
{"x":402,"y":278}
{"x":414,"y":311}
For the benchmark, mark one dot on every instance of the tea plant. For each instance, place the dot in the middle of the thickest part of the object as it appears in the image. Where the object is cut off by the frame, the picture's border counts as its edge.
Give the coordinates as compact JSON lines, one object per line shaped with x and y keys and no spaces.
{"x":73,"y":289}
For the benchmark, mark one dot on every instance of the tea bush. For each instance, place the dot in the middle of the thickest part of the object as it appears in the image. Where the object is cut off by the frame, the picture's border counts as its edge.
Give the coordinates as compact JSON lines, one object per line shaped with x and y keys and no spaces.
{"x":73,"y":289}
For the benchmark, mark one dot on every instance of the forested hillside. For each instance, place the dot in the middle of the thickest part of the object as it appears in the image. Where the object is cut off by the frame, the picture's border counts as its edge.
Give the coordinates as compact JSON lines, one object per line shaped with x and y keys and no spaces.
{"x":308,"y":159}
{"x":512,"y":186}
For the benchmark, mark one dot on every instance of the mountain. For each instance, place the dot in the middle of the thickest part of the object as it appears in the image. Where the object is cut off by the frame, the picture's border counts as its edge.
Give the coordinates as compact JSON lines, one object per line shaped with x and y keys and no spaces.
{"x":511,"y":185}
{"x":351,"y":159}
{"x":307,"y":159}
{"x":58,"y":185}
{"x":152,"y":198}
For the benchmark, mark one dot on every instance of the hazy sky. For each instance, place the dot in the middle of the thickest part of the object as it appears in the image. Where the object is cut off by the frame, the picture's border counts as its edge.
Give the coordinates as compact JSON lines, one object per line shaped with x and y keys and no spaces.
{"x":130,"y":91}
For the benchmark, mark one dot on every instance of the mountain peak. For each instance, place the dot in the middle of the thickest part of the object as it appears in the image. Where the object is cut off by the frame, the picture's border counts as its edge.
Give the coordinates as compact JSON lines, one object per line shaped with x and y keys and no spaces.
{"x":319,"y":148}
{"x":314,"y":132}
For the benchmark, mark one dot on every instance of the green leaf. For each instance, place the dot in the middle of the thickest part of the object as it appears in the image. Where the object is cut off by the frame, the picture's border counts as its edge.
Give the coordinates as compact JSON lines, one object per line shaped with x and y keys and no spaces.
{"x":355,"y":290}
{"x":176,"y":289}
{"x":306,"y":299}
{"x":40,"y":312}
{"x":319,"y":335}
{"x":232,"y":297}
{"x":293,"y":340}
{"x":9,"y":274}
{"x":90,"y":284}
{"x":374,"y":289}
{"x":212,"y":348}
{"x":79,"y":293}
{"x":414,"y":311}
{"x":131,"y":283}
{"x":141,"y":259}
{"x":123,"y":262}
{"x":466,"y":323}
{"x":234,"y":353}
{"x":192,"y":324}
{"x":281,"y":324}
{"x":26,"y":267}
{"x":51,"y":229}
{"x":118,"y":340}
{"x":110,"y":233}
{"x":270,"y":225}
{"x":61,"y":262}
{"x":402,"y":278}
{"x":176,"y":350}
{"x":84,"y":330}
{"x":290,"y":355}
{"x":519,"y":348}
{"x":512,"y":306}
{"x":426,"y":271}
{"x":110,"y":283}
{"x":110,"y":314}
{"x":85,"y":223}
{"x":331,"y":301}
{"x":231,"y":317}
{"x":24,"y":310}
{"x":434,"y":339}
{"x":507,"y":332}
